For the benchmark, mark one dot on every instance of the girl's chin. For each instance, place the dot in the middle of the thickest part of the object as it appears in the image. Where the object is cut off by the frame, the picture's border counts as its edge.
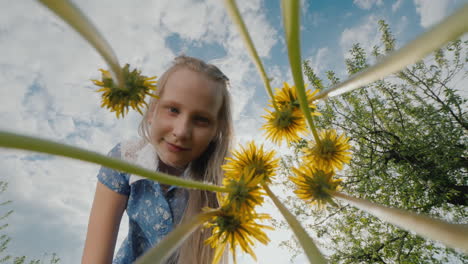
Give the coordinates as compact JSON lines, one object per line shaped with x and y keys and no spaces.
{"x":173,"y":163}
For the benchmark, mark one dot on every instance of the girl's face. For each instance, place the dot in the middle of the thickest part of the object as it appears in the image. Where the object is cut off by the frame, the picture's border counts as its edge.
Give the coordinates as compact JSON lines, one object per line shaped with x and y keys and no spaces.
{"x":185,"y":119}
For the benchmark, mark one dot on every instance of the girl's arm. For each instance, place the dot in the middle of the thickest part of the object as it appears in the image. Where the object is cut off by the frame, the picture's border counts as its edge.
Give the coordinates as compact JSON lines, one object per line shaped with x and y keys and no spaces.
{"x":103,"y":225}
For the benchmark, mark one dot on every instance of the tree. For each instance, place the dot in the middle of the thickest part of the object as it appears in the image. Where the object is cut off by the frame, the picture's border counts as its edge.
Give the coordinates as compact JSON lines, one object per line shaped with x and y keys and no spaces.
{"x":409,"y":137}
{"x":5,"y":239}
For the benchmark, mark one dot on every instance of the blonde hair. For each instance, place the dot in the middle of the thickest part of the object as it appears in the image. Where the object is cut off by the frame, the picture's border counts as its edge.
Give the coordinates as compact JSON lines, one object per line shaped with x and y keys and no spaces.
{"x":205,"y":168}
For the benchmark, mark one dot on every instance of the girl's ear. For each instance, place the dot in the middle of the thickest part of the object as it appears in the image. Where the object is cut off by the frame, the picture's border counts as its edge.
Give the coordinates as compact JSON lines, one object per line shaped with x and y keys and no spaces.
{"x":151,"y":111}
{"x":217,"y":136}
{"x":149,"y":117}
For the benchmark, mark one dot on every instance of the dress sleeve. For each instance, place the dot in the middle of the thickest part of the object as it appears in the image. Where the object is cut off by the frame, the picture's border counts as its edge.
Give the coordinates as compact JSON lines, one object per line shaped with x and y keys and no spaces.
{"x":114,"y":180}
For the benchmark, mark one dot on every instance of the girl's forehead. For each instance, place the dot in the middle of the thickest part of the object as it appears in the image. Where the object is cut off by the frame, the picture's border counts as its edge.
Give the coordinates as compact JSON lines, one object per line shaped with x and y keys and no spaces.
{"x":192,"y":89}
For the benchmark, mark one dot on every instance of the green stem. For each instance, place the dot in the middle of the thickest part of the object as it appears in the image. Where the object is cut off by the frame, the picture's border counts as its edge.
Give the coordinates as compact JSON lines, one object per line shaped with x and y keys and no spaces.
{"x":310,"y":249}
{"x":291,"y":17}
{"x":11,"y":140}
{"x":173,"y":240}
{"x":239,"y":22}
{"x":452,"y":235}
{"x":449,"y":29}
{"x":78,"y":21}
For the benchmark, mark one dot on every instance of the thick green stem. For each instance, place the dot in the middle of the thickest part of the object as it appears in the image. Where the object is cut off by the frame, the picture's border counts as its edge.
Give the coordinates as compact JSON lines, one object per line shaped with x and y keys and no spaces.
{"x":78,"y":21}
{"x":291,"y":20}
{"x":449,"y":29}
{"x":11,"y":140}
{"x":239,"y":22}
{"x":173,"y":240}
{"x":452,"y":235}
{"x":310,"y":249}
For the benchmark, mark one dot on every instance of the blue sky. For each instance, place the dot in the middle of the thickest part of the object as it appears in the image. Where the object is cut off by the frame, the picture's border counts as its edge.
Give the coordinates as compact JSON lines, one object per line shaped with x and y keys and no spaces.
{"x":45,"y":72}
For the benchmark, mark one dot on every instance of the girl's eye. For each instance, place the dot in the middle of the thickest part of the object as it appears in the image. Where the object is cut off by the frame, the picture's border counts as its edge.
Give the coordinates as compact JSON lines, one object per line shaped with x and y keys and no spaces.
{"x":173,"y":110}
{"x":202,"y":120}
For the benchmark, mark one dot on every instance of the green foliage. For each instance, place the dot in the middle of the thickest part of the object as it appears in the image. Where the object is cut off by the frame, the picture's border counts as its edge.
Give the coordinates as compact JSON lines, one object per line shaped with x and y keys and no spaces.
{"x":313,"y":79}
{"x":387,"y":38}
{"x":4,"y":239}
{"x":22,"y":260}
{"x":409,"y":138}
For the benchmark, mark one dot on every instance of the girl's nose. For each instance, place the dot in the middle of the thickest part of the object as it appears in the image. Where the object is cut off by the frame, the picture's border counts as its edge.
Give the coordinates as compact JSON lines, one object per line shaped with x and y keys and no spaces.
{"x":182,"y":129}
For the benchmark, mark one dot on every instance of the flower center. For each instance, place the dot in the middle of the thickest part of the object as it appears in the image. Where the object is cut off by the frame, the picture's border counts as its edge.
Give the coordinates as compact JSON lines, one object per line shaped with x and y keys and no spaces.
{"x":319,"y":183}
{"x":258,"y":166}
{"x":327,"y":148}
{"x":228,"y":222}
{"x":283,"y":118}
{"x":241,"y":192}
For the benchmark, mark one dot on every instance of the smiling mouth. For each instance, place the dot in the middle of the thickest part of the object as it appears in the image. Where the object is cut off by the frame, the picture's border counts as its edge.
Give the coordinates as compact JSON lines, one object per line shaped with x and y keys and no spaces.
{"x":176,"y":148}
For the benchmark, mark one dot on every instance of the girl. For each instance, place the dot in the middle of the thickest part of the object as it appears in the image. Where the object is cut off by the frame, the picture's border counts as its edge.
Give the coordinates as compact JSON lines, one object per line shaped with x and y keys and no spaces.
{"x":187,"y":133}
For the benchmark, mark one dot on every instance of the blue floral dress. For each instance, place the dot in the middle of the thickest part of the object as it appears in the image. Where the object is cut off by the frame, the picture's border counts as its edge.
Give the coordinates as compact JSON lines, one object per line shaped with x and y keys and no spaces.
{"x":152,"y":213}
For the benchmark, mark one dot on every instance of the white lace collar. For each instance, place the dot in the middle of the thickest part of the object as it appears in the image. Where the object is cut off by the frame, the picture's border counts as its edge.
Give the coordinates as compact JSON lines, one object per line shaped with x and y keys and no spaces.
{"x":142,"y":154}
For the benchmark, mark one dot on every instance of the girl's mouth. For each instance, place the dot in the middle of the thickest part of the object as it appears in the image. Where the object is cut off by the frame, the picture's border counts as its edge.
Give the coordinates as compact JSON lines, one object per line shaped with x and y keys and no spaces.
{"x":175,"y":148}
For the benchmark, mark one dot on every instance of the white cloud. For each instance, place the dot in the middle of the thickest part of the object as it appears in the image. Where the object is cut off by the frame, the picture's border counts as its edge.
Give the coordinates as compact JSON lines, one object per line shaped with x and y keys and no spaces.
{"x":305,"y":5}
{"x":365,"y":33}
{"x":401,"y":26}
{"x":367,"y":4}
{"x":320,"y":61}
{"x":241,"y":74}
{"x":201,"y":21}
{"x":430,"y":11}
{"x":49,"y":215}
{"x":279,"y":75}
{"x":262,"y":33}
{"x":396,"y":5}
{"x":316,"y":18}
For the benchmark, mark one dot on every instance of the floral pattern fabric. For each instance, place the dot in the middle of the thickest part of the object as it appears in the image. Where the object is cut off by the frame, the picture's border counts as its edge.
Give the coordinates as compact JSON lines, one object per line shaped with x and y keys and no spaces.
{"x":151,"y":213}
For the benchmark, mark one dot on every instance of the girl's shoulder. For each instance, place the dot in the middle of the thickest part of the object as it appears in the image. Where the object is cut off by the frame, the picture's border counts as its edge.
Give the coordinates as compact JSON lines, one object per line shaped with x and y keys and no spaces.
{"x":136,"y":152}
{"x":127,"y":150}
{"x":140,"y":153}
{"x":130,"y":148}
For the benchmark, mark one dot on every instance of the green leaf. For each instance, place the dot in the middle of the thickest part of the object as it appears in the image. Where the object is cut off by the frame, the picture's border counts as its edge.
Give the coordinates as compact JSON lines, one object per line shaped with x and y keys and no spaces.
{"x":452,"y":235}
{"x":173,"y":240}
{"x":11,"y":140}
{"x":233,"y":11}
{"x":310,"y":249}
{"x":291,"y":18}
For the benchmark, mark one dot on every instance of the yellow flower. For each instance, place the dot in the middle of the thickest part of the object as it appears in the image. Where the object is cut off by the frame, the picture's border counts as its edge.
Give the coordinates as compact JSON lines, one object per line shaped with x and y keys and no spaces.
{"x":253,"y":158}
{"x":246,"y":192}
{"x":315,"y":185}
{"x":284,"y":124}
{"x":330,"y":153}
{"x":234,"y":229}
{"x":287,"y":122}
{"x":119,"y":99}
{"x":287,"y":97}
